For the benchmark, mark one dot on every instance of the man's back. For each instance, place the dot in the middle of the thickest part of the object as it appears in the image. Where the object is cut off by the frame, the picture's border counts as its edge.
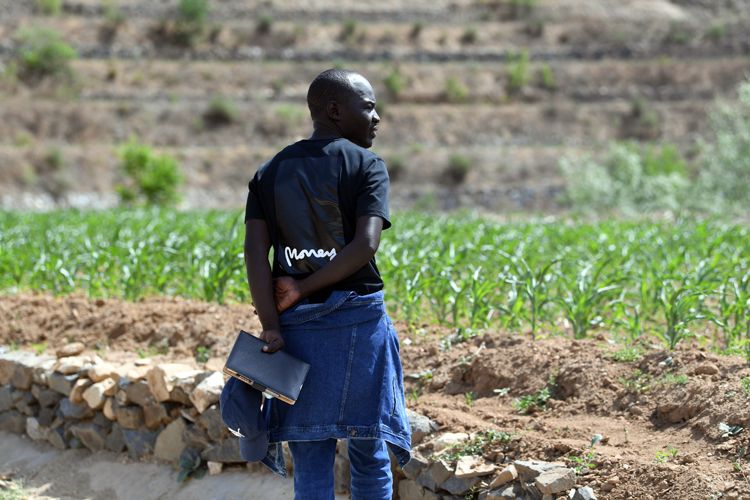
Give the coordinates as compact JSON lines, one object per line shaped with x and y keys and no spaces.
{"x":311,"y":195}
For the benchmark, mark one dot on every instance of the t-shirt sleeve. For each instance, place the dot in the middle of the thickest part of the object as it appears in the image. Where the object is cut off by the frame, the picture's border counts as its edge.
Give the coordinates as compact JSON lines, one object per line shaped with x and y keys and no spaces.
{"x":372,"y":195}
{"x":253,"y":209}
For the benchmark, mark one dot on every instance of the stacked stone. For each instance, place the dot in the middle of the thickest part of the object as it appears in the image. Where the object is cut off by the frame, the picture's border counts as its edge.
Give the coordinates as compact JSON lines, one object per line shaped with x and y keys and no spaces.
{"x":74,"y":400}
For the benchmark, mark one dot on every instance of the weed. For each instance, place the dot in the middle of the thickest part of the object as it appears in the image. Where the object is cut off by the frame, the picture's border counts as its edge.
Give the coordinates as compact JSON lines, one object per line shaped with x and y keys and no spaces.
{"x":745,"y":385}
{"x":547,"y":78}
{"x":716,"y":32}
{"x":349,"y":31}
{"x":264,"y":25}
{"x":202,"y":353}
{"x":469,"y":398}
{"x":455,"y":91}
{"x":663,"y":456}
{"x":416,"y":30}
{"x":533,"y":402}
{"x":637,"y":382}
{"x":469,"y":37}
{"x":522,"y":8}
{"x":584,"y":461}
{"x":39,"y":348}
{"x":477,"y":445}
{"x":194,"y":12}
{"x":627,"y":355}
{"x":673,"y":379}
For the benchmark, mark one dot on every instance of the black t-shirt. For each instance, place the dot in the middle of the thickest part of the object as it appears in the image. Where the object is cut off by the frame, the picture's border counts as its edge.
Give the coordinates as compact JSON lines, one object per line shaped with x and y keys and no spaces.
{"x":310,"y":195}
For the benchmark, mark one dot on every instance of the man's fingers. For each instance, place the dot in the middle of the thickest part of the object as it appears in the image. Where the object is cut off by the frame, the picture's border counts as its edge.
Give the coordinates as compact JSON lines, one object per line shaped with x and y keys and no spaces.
{"x":273,"y":345}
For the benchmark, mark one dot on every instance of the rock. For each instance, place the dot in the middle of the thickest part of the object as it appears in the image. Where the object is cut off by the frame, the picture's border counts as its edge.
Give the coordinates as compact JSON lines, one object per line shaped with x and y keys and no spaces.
{"x":584,"y":493}
{"x":56,"y":437}
{"x":74,"y":411}
{"x":71,"y":365}
{"x":677,"y":412}
{"x":459,"y":486}
{"x":154,"y":415}
{"x":12,"y":421}
{"x":227,"y":451}
{"x":555,"y":481}
{"x":507,"y":475}
{"x":169,"y":442}
{"x":72,"y":349}
{"x":46,"y":416}
{"x":17,"y":368}
{"x":509,"y":492}
{"x":207,"y":392}
{"x":195,"y":437}
{"x":434,"y":475}
{"x":97,"y":393}
{"x":530,"y":469}
{"x":410,"y":490}
{"x":211,"y":421}
{"x":415,"y":466}
{"x":6,"y":401}
{"x":48,"y":398}
{"x":91,"y":435}
{"x":79,"y":386}
{"x":34,"y":430}
{"x":109,"y":409}
{"x":42,"y":370}
{"x":61,"y":383}
{"x":214,"y":364}
{"x":421,"y":426}
{"x":610,"y":483}
{"x":139,"y":443}
{"x":27,"y":404}
{"x":115,"y":439}
{"x":214,"y":468}
{"x":103,"y":371}
{"x":164,"y":378}
{"x":129,"y":417}
{"x":447,"y":440}
{"x":470,"y":466}
{"x":706,"y":369}
{"x":139,"y":393}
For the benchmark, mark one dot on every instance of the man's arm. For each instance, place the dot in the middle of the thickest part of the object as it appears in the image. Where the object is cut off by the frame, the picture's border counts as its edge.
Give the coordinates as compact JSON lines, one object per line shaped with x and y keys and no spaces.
{"x":350,"y":259}
{"x":257,"y":246}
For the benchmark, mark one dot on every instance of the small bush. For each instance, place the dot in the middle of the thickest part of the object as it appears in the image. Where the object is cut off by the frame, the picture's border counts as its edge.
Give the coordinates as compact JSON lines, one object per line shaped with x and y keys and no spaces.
{"x":194,"y":12}
{"x":152,"y":178}
{"x":455,"y":91}
{"x":531,"y":403}
{"x":416,"y":31}
{"x":642,"y":123}
{"x":457,"y":169}
{"x":349,"y":31}
{"x":49,"y":7}
{"x":42,"y":53}
{"x":547,"y":78}
{"x":518,"y":72}
{"x":264,"y":25}
{"x":396,"y":168}
{"x":221,"y":111}
{"x":394,"y":83}
{"x":522,"y":8}
{"x":469,"y":37}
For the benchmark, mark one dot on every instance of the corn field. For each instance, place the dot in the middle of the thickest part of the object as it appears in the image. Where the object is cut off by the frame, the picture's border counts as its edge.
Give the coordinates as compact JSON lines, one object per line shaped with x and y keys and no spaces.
{"x":669,"y":281}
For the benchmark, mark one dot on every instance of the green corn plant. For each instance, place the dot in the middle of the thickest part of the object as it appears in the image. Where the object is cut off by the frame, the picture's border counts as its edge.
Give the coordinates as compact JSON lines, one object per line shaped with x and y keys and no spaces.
{"x":533,"y":286}
{"x":680,"y":307}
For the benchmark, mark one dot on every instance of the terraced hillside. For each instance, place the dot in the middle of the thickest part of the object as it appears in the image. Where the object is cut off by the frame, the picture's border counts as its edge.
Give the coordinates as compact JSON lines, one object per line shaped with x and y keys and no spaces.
{"x":480,"y":98}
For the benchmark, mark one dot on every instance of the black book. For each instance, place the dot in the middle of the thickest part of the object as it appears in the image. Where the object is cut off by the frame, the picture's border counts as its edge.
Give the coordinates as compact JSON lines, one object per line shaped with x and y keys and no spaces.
{"x":279,"y":374}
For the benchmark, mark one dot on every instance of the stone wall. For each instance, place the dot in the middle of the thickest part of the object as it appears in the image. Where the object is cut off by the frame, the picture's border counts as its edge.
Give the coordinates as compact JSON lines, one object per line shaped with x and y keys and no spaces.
{"x":169,"y":412}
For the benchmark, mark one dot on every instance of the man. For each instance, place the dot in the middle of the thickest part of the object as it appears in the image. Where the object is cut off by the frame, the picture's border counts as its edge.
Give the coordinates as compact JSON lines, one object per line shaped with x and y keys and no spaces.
{"x":321,"y":204}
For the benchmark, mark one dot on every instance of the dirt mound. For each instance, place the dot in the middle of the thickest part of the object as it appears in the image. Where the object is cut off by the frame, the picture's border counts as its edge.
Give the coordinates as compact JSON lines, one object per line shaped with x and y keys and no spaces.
{"x":666,"y":425}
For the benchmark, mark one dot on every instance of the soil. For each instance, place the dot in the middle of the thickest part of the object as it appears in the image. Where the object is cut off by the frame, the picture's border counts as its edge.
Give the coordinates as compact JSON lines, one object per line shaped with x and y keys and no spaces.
{"x":659,"y":416}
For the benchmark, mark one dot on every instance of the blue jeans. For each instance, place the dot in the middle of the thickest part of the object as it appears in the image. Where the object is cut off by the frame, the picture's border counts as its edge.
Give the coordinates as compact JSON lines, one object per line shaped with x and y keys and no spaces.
{"x":313,"y":469}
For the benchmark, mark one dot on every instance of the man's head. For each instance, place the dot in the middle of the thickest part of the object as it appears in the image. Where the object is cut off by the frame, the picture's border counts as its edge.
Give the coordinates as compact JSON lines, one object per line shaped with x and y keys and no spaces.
{"x":344,"y":102}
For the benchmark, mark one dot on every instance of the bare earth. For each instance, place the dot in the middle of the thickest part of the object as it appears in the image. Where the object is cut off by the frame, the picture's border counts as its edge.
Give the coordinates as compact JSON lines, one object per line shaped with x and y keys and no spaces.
{"x":661,"y":433}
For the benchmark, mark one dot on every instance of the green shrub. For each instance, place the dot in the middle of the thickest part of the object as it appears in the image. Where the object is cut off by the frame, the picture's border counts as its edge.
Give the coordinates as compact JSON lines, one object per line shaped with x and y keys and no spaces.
{"x":623,"y":181}
{"x":49,"y":7}
{"x":42,"y":53}
{"x":349,"y":31}
{"x":152,"y":178}
{"x":724,"y":178}
{"x":547,"y":78}
{"x":455,"y":91}
{"x":522,"y":8}
{"x":457,"y":169}
{"x":194,"y":12}
{"x":416,"y":30}
{"x":264,"y":25}
{"x":642,"y":123}
{"x":518,"y":72}
{"x":221,"y":111}
{"x":394,"y":83}
{"x":470,"y":36}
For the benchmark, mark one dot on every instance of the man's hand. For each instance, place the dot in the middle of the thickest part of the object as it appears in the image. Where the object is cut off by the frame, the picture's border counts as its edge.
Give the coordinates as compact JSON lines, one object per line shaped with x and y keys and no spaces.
{"x":274,"y":340}
{"x":286,"y":293}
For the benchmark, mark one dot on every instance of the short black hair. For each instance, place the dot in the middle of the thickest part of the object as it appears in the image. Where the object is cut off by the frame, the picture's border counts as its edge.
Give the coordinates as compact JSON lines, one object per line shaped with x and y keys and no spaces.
{"x":328,"y":86}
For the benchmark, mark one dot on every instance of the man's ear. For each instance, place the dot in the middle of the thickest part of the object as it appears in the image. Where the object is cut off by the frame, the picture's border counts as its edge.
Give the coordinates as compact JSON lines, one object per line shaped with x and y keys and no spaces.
{"x":332,"y":110}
